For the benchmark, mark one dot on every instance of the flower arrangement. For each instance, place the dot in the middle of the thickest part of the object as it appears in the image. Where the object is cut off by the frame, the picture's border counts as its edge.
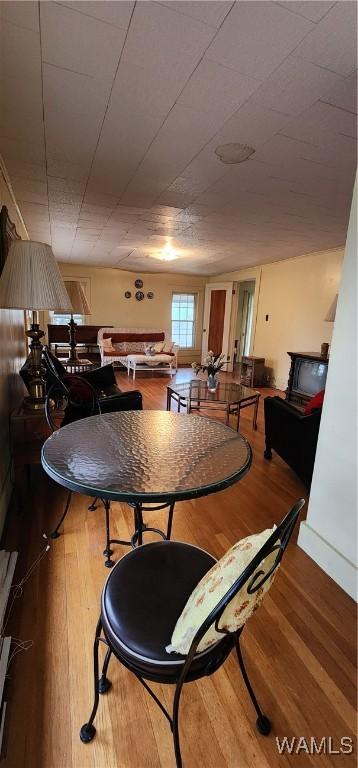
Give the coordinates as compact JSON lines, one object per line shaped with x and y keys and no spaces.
{"x":211,"y":365}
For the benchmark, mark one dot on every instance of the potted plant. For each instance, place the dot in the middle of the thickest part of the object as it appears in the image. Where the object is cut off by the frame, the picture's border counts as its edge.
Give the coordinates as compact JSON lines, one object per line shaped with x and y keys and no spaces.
{"x":211,"y":365}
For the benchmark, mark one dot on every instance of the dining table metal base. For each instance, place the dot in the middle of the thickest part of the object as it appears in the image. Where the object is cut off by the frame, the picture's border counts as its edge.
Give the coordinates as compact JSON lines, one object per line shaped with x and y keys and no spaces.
{"x":140,"y":527}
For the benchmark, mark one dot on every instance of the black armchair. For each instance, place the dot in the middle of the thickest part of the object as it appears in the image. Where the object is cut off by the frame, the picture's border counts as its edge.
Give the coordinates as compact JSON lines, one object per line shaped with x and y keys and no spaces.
{"x":292,"y":435}
{"x":102,"y":380}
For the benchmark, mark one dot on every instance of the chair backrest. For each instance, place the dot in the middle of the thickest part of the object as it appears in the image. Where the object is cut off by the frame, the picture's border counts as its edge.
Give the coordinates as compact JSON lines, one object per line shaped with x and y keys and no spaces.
{"x":55,"y":371}
{"x":254,"y":575}
{"x":69,"y":398}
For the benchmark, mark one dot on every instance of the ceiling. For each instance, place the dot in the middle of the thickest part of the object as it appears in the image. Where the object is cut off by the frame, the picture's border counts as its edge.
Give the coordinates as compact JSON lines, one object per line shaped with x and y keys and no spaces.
{"x":111,"y":113}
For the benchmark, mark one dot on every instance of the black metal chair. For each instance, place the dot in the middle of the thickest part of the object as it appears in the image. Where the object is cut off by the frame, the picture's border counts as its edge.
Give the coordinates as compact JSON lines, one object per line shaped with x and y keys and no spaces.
{"x":142,"y":599}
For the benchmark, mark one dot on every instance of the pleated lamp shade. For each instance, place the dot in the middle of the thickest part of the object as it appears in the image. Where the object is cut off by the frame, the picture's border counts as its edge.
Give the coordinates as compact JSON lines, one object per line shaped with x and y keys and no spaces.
{"x":31,"y":279}
{"x":331,"y":314}
{"x":78,"y":300}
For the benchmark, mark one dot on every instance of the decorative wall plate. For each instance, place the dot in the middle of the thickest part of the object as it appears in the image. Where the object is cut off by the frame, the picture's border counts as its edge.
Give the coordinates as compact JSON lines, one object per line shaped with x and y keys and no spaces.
{"x":128,"y":294}
{"x":138,"y":283}
{"x":150,"y":295}
{"x":139,"y":295}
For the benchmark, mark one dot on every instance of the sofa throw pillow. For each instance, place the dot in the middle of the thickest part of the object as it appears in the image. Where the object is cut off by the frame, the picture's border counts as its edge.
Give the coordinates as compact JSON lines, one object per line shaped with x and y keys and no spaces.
{"x":136,"y":347}
{"x":167,"y":347}
{"x":120,"y":347}
{"x":107,"y":345}
{"x":213,"y":586}
{"x":315,"y":403}
{"x":158,"y":347}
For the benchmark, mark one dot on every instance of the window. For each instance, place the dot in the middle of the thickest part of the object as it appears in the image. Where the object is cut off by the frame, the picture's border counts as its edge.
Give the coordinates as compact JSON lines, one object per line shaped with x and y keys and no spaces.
{"x":58,"y":319}
{"x":183,"y":319}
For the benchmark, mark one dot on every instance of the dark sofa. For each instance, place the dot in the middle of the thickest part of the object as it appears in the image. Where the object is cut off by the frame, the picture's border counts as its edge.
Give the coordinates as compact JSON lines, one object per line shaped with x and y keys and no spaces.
{"x":292,"y":435}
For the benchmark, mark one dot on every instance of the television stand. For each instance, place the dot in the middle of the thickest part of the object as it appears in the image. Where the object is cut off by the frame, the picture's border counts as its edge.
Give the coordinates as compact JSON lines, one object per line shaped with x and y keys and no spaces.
{"x":295,"y":394}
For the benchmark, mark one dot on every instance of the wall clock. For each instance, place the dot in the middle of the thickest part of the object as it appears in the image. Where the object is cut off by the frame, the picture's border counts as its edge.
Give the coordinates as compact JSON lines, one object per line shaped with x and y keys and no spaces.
{"x":128,"y":294}
{"x":138,"y":283}
{"x":139,"y":295}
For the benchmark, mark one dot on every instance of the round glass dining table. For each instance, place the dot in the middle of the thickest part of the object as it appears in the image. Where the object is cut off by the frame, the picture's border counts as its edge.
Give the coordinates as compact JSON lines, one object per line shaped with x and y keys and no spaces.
{"x":142,"y":457}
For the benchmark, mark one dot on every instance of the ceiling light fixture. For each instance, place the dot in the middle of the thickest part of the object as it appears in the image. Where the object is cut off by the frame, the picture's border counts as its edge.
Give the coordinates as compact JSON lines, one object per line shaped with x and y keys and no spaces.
{"x":234,"y":153}
{"x":168,"y":253}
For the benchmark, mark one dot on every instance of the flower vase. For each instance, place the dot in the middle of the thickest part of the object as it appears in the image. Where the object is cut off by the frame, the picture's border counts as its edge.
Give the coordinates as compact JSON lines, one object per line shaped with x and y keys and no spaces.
{"x":212,"y":382}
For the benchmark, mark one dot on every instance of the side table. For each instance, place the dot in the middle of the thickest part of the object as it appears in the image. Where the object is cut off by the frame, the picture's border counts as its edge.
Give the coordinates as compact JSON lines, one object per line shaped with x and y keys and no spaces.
{"x":252,"y":371}
{"x":80,"y":366}
{"x":28,"y":432}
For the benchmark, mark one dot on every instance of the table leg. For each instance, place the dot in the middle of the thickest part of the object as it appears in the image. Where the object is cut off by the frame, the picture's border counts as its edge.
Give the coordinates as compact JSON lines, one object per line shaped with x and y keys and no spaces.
{"x":168,"y":400}
{"x":254,"y":422}
{"x":228,"y":414}
{"x":238,"y":417}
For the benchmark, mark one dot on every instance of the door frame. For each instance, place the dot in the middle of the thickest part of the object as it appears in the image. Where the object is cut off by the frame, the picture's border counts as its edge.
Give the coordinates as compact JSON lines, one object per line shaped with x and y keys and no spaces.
{"x":228,"y":287}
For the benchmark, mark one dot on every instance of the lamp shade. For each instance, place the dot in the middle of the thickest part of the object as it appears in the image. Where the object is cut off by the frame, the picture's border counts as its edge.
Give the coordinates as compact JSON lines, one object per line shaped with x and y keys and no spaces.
{"x":77,"y":297}
{"x":331,"y":314}
{"x":31,"y":279}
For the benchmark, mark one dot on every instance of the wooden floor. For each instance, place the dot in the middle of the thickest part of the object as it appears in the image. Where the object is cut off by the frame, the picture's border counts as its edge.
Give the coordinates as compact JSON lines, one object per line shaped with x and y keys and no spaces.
{"x":299,"y":647}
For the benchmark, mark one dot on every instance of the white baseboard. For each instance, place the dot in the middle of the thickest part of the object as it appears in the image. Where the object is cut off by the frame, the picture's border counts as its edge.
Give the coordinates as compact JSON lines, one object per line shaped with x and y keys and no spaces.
{"x":338,"y":567}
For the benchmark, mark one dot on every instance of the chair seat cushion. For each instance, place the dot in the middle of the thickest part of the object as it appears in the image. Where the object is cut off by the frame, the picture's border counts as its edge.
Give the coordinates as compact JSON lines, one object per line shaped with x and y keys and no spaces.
{"x":142,"y":600}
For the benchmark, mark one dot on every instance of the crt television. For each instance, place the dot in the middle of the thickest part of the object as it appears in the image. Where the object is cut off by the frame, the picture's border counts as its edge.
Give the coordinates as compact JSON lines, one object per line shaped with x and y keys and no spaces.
{"x":309,"y":376}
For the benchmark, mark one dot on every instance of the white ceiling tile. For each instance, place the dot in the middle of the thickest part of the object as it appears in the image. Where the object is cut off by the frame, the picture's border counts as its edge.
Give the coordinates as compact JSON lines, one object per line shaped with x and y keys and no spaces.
{"x":70,"y":92}
{"x":332,"y":43}
{"x":112,"y":12}
{"x":161,"y":40}
{"x":319,"y":122}
{"x":19,"y":52}
{"x":343,"y":94}
{"x":295,"y":85}
{"x":63,"y":168}
{"x":23,"y":14}
{"x":78,"y":42}
{"x":310,"y":10}
{"x":256,"y":37}
{"x":217,"y":90}
{"x":212,"y":13}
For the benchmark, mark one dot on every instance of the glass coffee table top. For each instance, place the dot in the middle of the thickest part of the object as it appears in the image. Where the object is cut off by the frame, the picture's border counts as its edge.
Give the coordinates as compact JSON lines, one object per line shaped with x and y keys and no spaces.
{"x":146,"y":456}
{"x":226,"y":391}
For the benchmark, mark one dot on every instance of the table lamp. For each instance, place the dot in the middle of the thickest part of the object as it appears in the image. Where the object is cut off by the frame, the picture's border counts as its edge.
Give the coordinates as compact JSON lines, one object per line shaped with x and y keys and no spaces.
{"x":79,"y":307}
{"x":32,"y":280}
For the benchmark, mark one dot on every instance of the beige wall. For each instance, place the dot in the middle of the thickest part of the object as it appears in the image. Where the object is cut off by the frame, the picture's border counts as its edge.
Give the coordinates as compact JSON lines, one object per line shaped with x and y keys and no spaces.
{"x":12,"y":354}
{"x":105,"y":291}
{"x":296,"y":295}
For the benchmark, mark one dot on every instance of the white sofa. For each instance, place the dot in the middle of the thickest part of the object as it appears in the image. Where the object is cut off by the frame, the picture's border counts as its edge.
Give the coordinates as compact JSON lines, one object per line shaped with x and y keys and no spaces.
{"x":127,"y":347}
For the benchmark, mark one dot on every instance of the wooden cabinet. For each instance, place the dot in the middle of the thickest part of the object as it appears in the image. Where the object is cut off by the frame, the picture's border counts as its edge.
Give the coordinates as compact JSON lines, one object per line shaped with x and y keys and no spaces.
{"x":28,"y":432}
{"x":252,"y":373}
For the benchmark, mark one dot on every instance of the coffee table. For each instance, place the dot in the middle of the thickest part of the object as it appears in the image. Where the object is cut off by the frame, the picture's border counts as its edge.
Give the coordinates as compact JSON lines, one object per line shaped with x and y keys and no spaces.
{"x":228,"y":396}
{"x":142,"y":457}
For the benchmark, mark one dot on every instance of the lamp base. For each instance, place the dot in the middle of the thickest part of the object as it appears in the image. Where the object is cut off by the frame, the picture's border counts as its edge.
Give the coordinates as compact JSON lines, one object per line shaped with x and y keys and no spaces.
{"x":34,"y":404}
{"x":36,"y":385}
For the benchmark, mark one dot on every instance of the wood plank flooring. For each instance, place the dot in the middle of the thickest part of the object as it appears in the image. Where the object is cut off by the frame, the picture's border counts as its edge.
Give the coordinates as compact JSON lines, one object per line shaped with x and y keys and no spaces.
{"x":299,"y":647}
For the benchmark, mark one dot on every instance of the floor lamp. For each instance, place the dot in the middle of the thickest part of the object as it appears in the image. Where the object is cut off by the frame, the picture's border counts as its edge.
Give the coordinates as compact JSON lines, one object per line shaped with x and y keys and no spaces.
{"x":32,"y":280}
{"x":79,"y":307}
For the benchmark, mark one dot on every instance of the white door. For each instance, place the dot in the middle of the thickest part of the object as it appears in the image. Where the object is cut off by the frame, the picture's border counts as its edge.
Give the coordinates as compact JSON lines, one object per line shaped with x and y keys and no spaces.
{"x":217,"y":314}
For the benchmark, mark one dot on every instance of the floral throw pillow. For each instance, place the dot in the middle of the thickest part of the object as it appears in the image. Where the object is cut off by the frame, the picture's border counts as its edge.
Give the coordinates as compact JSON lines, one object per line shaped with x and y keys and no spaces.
{"x":213,"y":586}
